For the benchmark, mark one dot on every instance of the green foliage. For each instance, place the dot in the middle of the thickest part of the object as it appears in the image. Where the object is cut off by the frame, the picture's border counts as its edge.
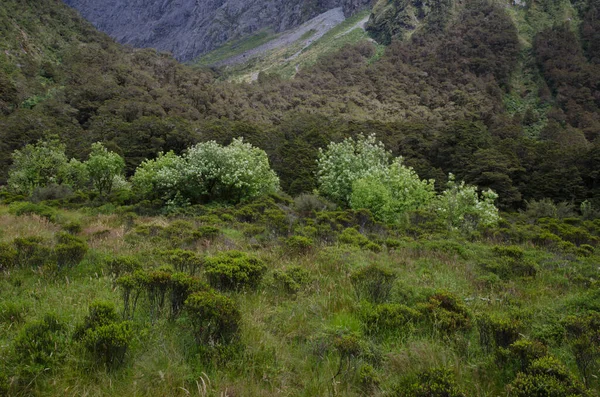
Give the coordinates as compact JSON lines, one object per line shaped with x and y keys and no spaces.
{"x":104,"y":167}
{"x":462,"y":208}
{"x":298,"y":244}
{"x":157,"y":283}
{"x":182,"y":286}
{"x":207,"y":171}
{"x":109,"y":343}
{"x":215,"y":317}
{"x":37,"y":165}
{"x":26,"y":208}
{"x":234,"y":270}
{"x":70,"y":250}
{"x":436,"y":382}
{"x":293,"y":279}
{"x":311,"y":203}
{"x":103,"y":336}
{"x":185,"y":261}
{"x":348,"y":161}
{"x":373,"y":283}
{"x":12,"y":313}
{"x":153,"y":178}
{"x":547,"y":376}
{"x":123,"y":264}
{"x":390,"y":318}
{"x":8,"y":256}
{"x":446,"y":313}
{"x":583,"y":333}
{"x":392,"y":194}
{"x":207,"y":232}
{"x":32,"y":252}
{"x":497,"y":332}
{"x":41,"y":345}
{"x":520,"y":355}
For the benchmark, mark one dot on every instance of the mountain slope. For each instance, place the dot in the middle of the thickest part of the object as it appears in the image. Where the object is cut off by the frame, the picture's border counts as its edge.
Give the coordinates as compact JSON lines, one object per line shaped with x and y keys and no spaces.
{"x":188,"y":28}
{"x":515,"y":112}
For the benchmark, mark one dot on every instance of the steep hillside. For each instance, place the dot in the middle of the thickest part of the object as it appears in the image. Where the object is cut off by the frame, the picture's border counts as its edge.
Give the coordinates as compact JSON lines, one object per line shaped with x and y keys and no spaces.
{"x":190,"y":27}
{"x":507,"y":97}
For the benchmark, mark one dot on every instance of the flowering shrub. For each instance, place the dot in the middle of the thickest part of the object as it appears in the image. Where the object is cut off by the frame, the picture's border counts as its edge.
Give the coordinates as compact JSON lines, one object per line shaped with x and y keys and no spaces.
{"x":392,"y":193}
{"x":158,"y":178}
{"x":348,"y":161}
{"x":359,"y":173}
{"x":208,"y":171}
{"x":462,"y":208}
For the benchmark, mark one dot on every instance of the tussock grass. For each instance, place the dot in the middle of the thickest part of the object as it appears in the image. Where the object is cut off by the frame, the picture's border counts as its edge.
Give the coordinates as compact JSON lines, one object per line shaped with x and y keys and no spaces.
{"x":308,"y":342}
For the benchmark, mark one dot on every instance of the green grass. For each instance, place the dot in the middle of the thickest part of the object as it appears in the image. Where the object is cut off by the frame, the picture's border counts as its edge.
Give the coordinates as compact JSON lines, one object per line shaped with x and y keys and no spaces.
{"x":286,"y":342}
{"x":235,"y":47}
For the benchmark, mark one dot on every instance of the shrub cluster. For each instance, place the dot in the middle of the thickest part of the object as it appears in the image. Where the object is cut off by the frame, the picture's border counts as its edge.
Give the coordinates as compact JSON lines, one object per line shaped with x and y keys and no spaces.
{"x":234,"y":270}
{"x":103,"y":335}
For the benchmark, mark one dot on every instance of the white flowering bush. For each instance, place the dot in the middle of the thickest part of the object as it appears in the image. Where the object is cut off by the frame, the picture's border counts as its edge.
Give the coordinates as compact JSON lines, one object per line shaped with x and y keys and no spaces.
{"x":158,"y":178}
{"x":208,"y":171}
{"x":342,"y":164}
{"x":392,"y":193}
{"x":230,"y":173}
{"x":461,"y":207}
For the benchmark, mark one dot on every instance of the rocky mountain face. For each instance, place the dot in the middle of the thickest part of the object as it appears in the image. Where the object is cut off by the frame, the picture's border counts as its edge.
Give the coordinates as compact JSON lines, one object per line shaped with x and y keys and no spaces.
{"x":188,"y":28}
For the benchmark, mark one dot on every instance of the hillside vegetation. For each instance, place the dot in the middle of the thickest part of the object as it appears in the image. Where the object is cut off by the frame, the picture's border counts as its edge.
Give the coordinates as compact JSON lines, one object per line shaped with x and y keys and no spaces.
{"x":415,"y":220}
{"x":475,"y":101}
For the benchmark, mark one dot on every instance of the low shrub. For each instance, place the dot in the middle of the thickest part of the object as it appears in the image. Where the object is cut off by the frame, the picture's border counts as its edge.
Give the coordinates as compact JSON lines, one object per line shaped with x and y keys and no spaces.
{"x":157,"y":283}
{"x":100,"y":313}
{"x":373,"y":283}
{"x":234,"y":270}
{"x":520,"y":354}
{"x":509,"y":268}
{"x":27,"y":208}
{"x":547,"y":376}
{"x":184,"y":261}
{"x":214,"y":317}
{"x":32,"y":251}
{"x":583,"y":336}
{"x":12,"y":313}
{"x":182,"y":286}
{"x":298,"y":245}
{"x":353,"y":237}
{"x":495,"y":331}
{"x":511,"y":251}
{"x":208,"y":232}
{"x":307,"y":204}
{"x":103,"y":335}
{"x":389,"y":318}
{"x":132,"y":286}
{"x":73,"y":227}
{"x":447,"y":314}
{"x":123,"y":264}
{"x":70,"y":249}
{"x":109,"y":343}
{"x":40,"y":346}
{"x":180,"y":233}
{"x":8,"y":256}
{"x":436,"y":382}
{"x":293,"y":279}
{"x":51,"y":192}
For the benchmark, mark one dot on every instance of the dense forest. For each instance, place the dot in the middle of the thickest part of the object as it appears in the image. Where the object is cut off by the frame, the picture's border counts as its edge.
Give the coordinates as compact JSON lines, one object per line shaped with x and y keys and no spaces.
{"x":451,"y":98}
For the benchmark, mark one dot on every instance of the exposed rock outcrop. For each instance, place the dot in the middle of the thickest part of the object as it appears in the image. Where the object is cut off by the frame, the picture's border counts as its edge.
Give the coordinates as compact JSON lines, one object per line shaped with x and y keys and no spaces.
{"x":188,"y":28}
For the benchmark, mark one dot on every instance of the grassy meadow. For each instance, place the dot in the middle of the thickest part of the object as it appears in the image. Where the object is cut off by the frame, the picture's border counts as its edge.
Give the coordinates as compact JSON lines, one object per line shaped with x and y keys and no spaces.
{"x":336,"y":304}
